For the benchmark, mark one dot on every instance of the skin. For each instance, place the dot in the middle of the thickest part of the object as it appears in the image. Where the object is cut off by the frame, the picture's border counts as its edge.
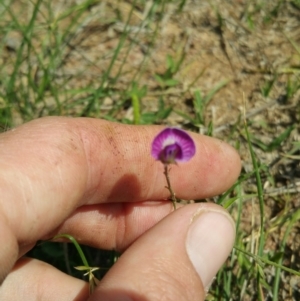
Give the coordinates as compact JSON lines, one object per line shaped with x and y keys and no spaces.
{"x":97,"y":181}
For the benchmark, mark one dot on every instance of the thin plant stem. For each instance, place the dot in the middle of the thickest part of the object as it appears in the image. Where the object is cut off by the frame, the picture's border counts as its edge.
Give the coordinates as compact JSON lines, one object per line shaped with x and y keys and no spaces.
{"x":173,"y":197}
{"x":77,"y":246}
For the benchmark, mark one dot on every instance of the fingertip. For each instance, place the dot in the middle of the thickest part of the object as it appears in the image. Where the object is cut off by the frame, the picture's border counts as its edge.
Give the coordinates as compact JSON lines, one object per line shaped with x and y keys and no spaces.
{"x":214,"y":168}
{"x":177,"y":258}
{"x":210,"y":239}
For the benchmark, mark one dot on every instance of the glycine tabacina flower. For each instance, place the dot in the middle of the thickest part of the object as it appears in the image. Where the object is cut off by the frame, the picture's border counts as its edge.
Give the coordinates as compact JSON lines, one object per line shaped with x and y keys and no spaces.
{"x":173,"y":145}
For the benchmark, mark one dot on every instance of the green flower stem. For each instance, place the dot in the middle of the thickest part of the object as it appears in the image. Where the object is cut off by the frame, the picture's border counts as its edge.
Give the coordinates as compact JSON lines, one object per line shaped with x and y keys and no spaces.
{"x":173,"y":197}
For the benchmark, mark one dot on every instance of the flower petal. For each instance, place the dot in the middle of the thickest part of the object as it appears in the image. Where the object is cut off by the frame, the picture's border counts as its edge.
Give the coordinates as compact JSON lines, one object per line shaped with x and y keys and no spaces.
{"x":171,"y":139}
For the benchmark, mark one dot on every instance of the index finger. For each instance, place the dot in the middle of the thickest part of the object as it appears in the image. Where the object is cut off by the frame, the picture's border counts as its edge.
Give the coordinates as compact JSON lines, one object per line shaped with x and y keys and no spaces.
{"x":51,"y":166}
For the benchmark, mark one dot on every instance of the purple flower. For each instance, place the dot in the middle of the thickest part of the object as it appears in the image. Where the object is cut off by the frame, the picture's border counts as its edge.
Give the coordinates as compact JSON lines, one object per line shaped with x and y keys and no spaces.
{"x":173,"y":145}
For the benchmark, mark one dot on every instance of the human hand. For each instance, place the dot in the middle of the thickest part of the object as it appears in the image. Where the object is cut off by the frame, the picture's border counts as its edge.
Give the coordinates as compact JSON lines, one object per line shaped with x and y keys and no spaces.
{"x":97,"y":181}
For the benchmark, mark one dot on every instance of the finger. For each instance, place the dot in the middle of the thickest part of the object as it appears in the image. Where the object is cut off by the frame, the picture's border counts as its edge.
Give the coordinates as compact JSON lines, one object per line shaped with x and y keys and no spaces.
{"x":50,"y":166}
{"x":177,"y":259}
{"x":33,"y":280}
{"x":113,"y":226}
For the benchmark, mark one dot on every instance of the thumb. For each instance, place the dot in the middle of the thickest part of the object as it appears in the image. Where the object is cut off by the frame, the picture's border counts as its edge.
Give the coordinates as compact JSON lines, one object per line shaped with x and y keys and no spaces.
{"x":177,"y":259}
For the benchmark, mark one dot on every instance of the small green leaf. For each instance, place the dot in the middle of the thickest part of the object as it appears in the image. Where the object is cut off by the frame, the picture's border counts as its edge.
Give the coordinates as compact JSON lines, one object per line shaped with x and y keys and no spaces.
{"x":277,"y":141}
{"x":171,"y":82}
{"x":261,"y":271}
{"x":82,"y":268}
{"x":277,"y":257}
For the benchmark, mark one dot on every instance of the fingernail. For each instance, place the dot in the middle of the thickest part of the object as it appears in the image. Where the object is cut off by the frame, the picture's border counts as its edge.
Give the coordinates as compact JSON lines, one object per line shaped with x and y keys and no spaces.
{"x":209,"y":241}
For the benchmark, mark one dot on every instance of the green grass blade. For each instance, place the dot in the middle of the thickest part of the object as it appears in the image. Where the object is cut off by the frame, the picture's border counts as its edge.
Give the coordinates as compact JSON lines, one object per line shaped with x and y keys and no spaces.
{"x":294,"y":219}
{"x":136,"y":109}
{"x":262,"y":260}
{"x":261,"y":206}
{"x":77,"y":246}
